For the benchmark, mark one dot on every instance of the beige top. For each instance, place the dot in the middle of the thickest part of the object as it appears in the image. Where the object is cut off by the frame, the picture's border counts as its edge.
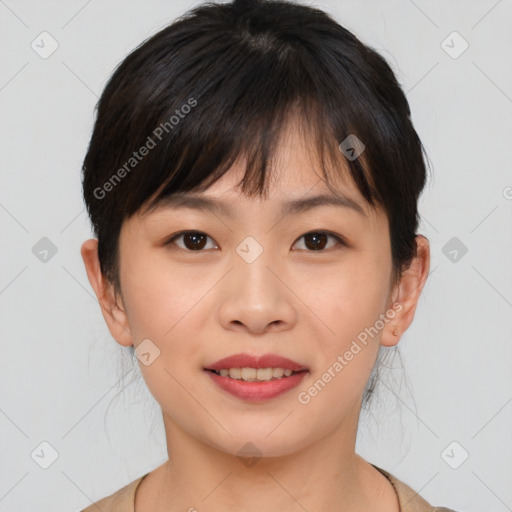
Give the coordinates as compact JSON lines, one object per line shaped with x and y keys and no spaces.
{"x":123,"y":500}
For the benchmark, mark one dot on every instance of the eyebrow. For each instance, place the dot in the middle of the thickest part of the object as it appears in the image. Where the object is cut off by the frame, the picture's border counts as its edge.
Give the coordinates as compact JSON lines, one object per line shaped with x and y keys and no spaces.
{"x":201,"y":203}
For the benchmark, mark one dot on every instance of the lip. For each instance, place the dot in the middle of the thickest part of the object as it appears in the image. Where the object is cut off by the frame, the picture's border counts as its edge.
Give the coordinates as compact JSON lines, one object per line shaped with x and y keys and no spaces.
{"x":250,"y":361}
{"x":257,"y":391}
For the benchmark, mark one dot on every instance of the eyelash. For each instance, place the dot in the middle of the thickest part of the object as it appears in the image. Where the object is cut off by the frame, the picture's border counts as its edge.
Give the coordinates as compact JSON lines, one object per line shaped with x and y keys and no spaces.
{"x":321,"y":232}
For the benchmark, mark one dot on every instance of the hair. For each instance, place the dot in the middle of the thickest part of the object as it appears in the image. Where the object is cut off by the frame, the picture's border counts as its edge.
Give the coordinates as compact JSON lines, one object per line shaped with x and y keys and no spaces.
{"x":220,"y":83}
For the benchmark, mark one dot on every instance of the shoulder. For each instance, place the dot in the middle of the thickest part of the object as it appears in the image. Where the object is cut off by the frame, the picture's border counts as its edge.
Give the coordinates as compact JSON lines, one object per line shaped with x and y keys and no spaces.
{"x":123,"y":500}
{"x":410,"y":500}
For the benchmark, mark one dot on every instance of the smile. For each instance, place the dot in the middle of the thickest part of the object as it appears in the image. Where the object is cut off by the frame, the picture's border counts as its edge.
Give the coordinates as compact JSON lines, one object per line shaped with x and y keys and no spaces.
{"x":256,"y":377}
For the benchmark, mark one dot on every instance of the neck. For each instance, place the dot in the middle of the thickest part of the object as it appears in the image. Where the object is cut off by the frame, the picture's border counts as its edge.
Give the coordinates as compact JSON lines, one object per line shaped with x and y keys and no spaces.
{"x":199,"y":476}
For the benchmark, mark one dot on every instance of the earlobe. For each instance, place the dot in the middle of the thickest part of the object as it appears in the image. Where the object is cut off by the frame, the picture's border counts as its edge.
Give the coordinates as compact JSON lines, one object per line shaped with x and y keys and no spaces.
{"x":391,"y":333}
{"x":409,"y":290}
{"x":111,"y":307}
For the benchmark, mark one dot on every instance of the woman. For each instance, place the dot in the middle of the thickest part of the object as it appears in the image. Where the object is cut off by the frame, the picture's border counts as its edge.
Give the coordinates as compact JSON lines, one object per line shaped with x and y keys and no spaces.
{"x":252,"y":180}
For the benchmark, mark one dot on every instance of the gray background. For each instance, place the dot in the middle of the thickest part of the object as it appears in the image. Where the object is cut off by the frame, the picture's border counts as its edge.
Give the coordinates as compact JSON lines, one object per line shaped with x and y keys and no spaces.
{"x":61,"y":371}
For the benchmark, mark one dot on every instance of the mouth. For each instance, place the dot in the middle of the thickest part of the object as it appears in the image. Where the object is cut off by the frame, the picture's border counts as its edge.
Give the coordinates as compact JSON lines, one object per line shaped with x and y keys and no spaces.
{"x":256,"y":378}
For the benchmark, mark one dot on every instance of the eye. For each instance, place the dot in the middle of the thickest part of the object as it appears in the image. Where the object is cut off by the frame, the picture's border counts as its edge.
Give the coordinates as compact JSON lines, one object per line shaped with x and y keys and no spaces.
{"x":197,"y":241}
{"x":192,"y":240}
{"x":317,"y":240}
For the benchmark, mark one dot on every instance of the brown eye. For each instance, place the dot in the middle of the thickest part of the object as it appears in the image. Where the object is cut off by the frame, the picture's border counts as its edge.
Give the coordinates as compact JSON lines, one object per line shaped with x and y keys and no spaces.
{"x":318,"y":240}
{"x":192,"y":240}
{"x":315,"y":241}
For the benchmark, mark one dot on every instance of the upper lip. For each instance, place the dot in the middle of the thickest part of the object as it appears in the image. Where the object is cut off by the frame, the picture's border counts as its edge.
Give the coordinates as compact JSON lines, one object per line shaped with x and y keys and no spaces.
{"x":250,"y":361}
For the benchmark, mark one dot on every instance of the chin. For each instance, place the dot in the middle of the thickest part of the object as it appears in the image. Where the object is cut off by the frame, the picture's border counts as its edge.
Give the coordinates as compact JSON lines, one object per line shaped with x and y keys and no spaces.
{"x":257,"y":441}
{"x":249,"y":449}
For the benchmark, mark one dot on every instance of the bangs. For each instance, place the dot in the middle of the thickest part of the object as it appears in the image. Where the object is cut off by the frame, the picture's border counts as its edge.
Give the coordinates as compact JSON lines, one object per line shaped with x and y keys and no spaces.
{"x":255,"y":141}
{"x":226,"y":103}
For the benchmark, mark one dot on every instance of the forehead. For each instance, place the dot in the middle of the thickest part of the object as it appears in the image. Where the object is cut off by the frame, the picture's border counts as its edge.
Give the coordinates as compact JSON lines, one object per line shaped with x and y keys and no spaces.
{"x":298,"y":189}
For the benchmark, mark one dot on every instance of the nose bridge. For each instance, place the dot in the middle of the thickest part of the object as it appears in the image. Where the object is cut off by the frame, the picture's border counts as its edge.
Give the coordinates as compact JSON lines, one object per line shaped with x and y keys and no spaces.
{"x":252,"y":273}
{"x":254,"y":295}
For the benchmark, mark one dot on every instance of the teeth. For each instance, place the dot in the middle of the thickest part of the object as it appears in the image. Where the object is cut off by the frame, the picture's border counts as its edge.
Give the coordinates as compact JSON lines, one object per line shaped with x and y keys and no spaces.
{"x":249,"y":373}
{"x":235,"y":373}
{"x":253,"y":374}
{"x":277,"y":373}
{"x":264,"y":373}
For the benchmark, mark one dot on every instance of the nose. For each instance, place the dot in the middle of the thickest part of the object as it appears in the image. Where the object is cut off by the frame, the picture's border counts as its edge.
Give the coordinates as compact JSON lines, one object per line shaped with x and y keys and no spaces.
{"x":256,"y":298}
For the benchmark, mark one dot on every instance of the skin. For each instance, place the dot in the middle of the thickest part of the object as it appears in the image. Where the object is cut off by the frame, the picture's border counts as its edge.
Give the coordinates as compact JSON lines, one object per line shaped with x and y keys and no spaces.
{"x":199,"y":307}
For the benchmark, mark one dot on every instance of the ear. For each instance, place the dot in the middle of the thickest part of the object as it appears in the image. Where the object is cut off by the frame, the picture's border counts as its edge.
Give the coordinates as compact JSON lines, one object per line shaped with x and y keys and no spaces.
{"x":409,"y":290}
{"x":112,"y":307}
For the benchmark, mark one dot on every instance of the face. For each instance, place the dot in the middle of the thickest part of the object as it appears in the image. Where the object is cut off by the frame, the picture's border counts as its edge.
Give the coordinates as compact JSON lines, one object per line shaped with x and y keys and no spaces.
{"x":254,"y":279}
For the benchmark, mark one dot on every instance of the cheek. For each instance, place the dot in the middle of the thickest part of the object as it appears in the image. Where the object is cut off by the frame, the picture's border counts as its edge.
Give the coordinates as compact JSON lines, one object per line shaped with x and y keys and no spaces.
{"x":350,"y":296}
{"x":350,"y":303}
{"x":168,"y":306}
{"x":158,"y":295}
{"x":165,"y":308}
{"x":349,"y":300}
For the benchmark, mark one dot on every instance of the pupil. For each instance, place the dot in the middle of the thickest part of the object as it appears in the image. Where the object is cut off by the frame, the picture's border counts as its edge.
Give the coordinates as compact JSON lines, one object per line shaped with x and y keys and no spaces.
{"x":318,"y":237}
{"x":198,"y":240}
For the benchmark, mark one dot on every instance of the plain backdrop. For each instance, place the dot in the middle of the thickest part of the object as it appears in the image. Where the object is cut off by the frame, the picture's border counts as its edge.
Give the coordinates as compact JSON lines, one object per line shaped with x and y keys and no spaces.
{"x":66,"y":399}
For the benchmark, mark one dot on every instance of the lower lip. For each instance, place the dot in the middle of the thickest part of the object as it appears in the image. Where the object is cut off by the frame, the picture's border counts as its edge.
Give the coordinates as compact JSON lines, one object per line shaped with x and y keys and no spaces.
{"x":257,"y":391}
